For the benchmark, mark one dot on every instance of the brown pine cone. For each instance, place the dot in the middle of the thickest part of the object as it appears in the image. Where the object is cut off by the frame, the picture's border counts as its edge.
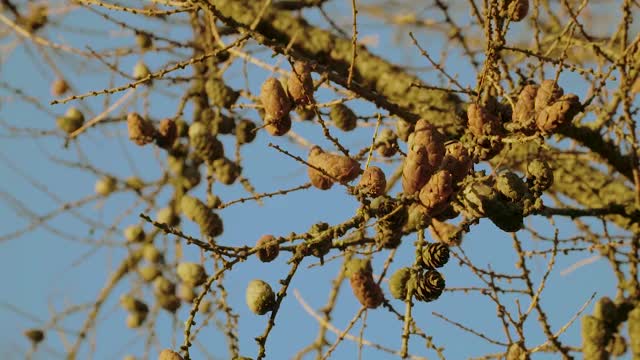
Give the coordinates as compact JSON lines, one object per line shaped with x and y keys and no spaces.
{"x":342,"y":168}
{"x":364,"y":287}
{"x":433,"y":140}
{"x":207,"y":146}
{"x":457,"y":161}
{"x":548,"y":93}
{"x":387,"y":143}
{"x":524,"y":113}
{"x":141,"y":131}
{"x":275,"y":102}
{"x":196,"y":211}
{"x":429,"y":286}
{"x":220,"y":94}
{"x":435,"y":195}
{"x":301,"y":92}
{"x":318,"y":179}
{"x":435,"y":255}
{"x":167,"y":133}
{"x":518,"y":10}
{"x":343,"y":117}
{"x":59,"y":87}
{"x":226,"y":171}
{"x":269,"y":252}
{"x":373,"y":182}
{"x":558,"y":114}
{"x":416,"y":170}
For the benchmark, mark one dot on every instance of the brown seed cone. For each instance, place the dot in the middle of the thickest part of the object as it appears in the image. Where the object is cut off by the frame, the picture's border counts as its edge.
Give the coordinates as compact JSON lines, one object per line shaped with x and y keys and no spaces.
{"x":404,"y":129}
{"x":318,"y":180}
{"x":245,"y":131}
{"x":433,"y":140}
{"x":548,"y":93}
{"x":220,"y":94}
{"x":168,"y":354}
{"x":387,"y":143}
{"x":167,"y":133}
{"x":196,"y":211}
{"x":342,"y":168}
{"x":435,"y":195}
{"x":226,"y":171}
{"x":457,"y":161}
{"x":482,"y":122}
{"x":524,"y":111}
{"x":445,"y":233}
{"x":260,"y":297}
{"x":207,"y":146}
{"x":558,"y":114}
{"x":301,"y":91}
{"x":141,"y":131}
{"x":518,"y":10}
{"x":365,"y":288}
{"x":270,"y":252}
{"x":429,"y":286}
{"x":416,"y":170}
{"x":435,"y":255}
{"x":343,"y":117}
{"x":34,"y":335}
{"x":274,"y":100}
{"x":59,"y":87}
{"x":278,"y":127}
{"x":373,"y":182}
{"x":417,"y":218}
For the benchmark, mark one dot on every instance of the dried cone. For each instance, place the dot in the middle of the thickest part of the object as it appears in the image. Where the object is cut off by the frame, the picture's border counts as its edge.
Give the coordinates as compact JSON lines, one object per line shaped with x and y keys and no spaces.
{"x":162,"y":286}
{"x":209,"y":222}
{"x":318,"y":179}
{"x":245,"y":131}
{"x":131,"y":304}
{"x":457,"y":161}
{"x":59,"y":87}
{"x":278,"y":127}
{"x":387,"y":143}
{"x":373,"y":182}
{"x":343,"y":117}
{"x":149,"y":273}
{"x":435,"y":195}
{"x":482,"y":122}
{"x":510,"y":185}
{"x":269,"y":252}
{"x":186,"y":293}
{"x":171,"y":303}
{"x":168,"y":354}
{"x":301,"y":92}
{"x":416,"y":170}
{"x":432,"y":139}
{"x":144,"y":41}
{"x":226,"y":171}
{"x":617,"y":345}
{"x":445,"y":233}
{"x":151,"y":254}
{"x":320,"y":241}
{"x":435,"y":255}
{"x":518,"y":10}
{"x":220,"y":94}
{"x":71,"y":121}
{"x":634,"y":331}
{"x":191,"y":273}
{"x":364,"y":287}
{"x":141,"y":131}
{"x":399,"y":283}
{"x":341,"y":168}
{"x":524,"y":113}
{"x":134,"y":233}
{"x":105,"y":186}
{"x":429,"y":286}
{"x":207,"y":146}
{"x":388,"y":237}
{"x":595,"y":337}
{"x":34,"y":335}
{"x":404,"y":129}
{"x":558,"y":114}
{"x":167,"y":133}
{"x":540,"y":176}
{"x":141,"y":71}
{"x":516,"y":352}
{"x":548,"y":93}
{"x":260,"y":297}
{"x":135,"y":319}
{"x":276,"y":107}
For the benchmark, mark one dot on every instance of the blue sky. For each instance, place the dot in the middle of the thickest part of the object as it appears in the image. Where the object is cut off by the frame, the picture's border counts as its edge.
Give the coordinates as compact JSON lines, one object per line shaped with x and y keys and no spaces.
{"x":43,"y":272}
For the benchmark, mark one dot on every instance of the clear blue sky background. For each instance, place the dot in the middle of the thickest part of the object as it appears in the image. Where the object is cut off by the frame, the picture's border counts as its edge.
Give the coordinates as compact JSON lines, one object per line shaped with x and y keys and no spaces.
{"x":42,"y":272}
